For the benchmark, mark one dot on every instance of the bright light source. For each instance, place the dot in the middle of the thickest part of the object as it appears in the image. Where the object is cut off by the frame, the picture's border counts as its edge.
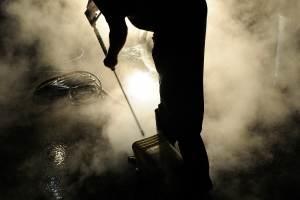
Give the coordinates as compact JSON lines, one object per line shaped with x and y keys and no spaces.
{"x":141,"y":85}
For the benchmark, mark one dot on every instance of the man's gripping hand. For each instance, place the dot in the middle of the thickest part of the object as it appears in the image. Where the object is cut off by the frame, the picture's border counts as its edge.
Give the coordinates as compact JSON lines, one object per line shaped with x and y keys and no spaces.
{"x":111,"y":61}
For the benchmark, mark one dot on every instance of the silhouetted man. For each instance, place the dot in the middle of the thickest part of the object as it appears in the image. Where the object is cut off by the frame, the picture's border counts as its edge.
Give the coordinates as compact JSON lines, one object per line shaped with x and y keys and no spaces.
{"x":179,"y":28}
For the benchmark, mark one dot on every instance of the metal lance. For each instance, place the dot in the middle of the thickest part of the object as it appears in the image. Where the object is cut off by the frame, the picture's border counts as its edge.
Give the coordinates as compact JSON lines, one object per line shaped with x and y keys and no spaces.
{"x":92,"y":18}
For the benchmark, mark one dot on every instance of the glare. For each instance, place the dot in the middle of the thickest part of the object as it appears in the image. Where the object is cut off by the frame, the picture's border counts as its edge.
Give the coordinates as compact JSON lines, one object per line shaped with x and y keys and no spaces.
{"x":59,"y":154}
{"x":54,"y":186}
{"x":142,"y":85}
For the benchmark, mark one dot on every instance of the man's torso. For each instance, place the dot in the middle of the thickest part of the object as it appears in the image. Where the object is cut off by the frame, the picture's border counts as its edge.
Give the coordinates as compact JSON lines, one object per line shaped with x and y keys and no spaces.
{"x":146,"y":15}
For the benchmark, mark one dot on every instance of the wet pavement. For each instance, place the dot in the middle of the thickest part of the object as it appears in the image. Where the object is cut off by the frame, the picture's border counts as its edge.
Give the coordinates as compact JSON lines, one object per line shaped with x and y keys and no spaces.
{"x":55,"y":150}
{"x":51,"y":150}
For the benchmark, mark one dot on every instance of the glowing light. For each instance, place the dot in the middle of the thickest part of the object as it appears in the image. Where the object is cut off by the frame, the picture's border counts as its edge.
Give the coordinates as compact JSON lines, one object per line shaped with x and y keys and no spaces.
{"x":59,"y":154}
{"x":141,"y":85}
{"x":54,"y":185}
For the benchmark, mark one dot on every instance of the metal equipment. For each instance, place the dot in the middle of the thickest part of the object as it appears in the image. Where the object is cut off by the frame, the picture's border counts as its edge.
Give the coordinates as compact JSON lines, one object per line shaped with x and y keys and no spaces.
{"x":92,"y":17}
{"x":159,"y":164}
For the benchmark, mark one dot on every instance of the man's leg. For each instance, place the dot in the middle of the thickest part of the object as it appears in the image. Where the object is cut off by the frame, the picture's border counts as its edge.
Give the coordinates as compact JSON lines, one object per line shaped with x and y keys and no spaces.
{"x":184,"y":104}
{"x":179,"y":59}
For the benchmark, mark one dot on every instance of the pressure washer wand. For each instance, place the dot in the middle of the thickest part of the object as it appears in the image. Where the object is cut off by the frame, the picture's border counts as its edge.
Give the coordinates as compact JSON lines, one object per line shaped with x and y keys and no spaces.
{"x":137,"y":122}
{"x":92,"y":17}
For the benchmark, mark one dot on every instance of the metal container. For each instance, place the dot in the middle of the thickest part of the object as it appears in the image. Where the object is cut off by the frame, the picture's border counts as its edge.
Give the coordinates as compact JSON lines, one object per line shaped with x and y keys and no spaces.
{"x":159,"y":164}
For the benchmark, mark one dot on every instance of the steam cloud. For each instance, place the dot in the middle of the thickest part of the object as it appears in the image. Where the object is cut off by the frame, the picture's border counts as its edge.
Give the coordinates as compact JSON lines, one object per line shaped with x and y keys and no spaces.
{"x":249,"y":122}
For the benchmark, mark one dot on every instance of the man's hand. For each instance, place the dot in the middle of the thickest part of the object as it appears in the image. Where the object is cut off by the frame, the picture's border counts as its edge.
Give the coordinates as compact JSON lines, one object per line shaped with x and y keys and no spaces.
{"x":111,"y":61}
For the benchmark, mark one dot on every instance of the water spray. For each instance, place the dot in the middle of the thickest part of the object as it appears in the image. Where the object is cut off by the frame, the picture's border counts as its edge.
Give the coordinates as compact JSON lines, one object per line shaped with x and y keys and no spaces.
{"x":92,"y":17}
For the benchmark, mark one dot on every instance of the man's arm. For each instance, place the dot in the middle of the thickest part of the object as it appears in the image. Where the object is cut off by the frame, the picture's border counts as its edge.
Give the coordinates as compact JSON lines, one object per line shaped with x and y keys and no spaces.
{"x":117,"y":39}
{"x":115,"y":17}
